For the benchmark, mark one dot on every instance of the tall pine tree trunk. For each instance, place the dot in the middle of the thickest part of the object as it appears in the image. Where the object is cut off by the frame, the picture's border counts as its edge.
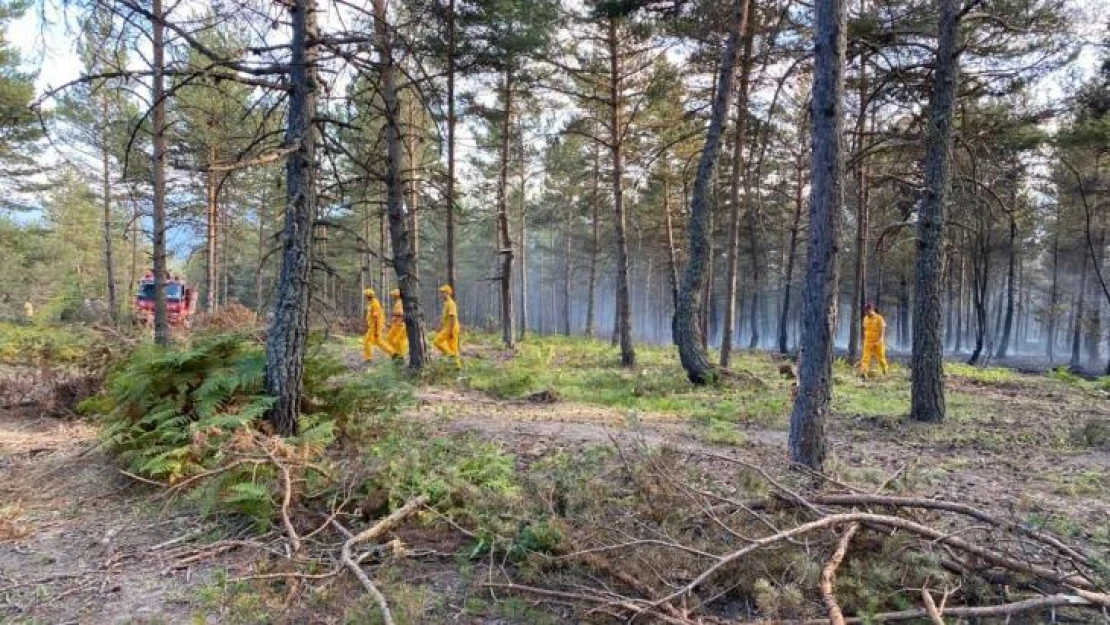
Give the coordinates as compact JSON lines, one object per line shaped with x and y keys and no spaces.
{"x":624,"y":306}
{"x":451,"y":271}
{"x":684,"y":326}
{"x":402,"y":226}
{"x":288,"y":333}
{"x":859,"y":286}
{"x":672,"y":255}
{"x":927,"y":383}
{"x":505,"y":254}
{"x":595,"y":243}
{"x":756,"y":251}
{"x":812,"y":406}
{"x":738,"y":141}
{"x":788,"y":280}
{"x":1080,"y":315}
{"x":211,"y":267}
{"x":109,"y":265}
{"x":1011,"y":286}
{"x":523,"y":240}
{"x":158,"y":119}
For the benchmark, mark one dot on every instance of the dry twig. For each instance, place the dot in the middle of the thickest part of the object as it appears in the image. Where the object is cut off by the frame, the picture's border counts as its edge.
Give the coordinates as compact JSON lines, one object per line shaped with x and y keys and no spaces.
{"x":828,"y":574}
{"x":373,"y":533}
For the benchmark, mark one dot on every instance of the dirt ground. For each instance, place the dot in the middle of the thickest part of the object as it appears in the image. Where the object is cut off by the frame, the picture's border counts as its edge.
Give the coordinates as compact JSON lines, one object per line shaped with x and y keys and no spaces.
{"x":82,"y":543}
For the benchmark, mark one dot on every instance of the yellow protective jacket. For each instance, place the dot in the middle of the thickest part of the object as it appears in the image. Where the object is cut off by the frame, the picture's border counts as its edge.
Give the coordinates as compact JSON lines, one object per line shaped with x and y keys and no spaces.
{"x":873,"y":328}
{"x":375,"y":319}
{"x":449,"y":325}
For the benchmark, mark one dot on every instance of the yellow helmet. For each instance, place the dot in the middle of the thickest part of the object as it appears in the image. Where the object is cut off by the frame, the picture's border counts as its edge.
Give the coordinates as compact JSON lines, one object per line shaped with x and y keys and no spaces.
{"x":446,"y":289}
{"x":395,"y":293}
{"x":368,"y":292}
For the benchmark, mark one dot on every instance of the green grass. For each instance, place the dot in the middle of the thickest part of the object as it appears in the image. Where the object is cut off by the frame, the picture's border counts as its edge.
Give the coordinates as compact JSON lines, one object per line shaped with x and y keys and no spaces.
{"x":981,"y":375}
{"x":585,"y":371}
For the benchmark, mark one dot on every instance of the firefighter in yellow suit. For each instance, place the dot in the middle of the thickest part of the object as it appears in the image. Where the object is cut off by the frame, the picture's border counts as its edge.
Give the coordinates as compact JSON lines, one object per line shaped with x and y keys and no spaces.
{"x":874,"y":340}
{"x":447,"y":341}
{"x":375,"y":327}
{"x":398,"y":337}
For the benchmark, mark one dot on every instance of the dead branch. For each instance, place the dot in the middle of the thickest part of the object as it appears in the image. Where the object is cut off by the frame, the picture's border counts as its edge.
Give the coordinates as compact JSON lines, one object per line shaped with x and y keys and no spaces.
{"x":828,"y":574}
{"x":949,"y":506}
{"x":1005,"y":609}
{"x":373,"y":533}
{"x":931,"y":607}
{"x":888,"y":521}
{"x":578,"y":597}
{"x":286,"y":497}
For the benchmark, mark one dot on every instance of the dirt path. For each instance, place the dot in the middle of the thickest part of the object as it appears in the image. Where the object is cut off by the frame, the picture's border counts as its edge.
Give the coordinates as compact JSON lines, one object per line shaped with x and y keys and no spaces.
{"x":78,"y":543}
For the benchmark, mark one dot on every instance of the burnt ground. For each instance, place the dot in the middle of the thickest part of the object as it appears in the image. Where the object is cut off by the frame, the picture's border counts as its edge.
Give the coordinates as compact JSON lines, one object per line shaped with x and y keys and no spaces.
{"x":82,"y":543}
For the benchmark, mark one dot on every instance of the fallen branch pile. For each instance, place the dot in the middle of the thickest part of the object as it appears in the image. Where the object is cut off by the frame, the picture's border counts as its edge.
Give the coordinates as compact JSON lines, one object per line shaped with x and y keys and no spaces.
{"x":690,"y":553}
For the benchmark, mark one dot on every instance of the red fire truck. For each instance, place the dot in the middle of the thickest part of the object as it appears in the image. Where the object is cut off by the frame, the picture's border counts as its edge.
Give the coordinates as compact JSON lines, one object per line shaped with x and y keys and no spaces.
{"x":181,"y":301}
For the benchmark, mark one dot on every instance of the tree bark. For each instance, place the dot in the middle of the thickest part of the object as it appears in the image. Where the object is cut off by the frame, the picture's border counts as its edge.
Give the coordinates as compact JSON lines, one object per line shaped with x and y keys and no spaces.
{"x":788,"y":281}
{"x":739,"y":140}
{"x":401,"y":225}
{"x":508,"y":332}
{"x":927,"y":384}
{"x":756,"y":252}
{"x":288,"y":332}
{"x":812,"y":406}
{"x":684,"y":326}
{"x":980,"y":264}
{"x":1011,"y":285}
{"x":158,"y":119}
{"x":624,"y":306}
{"x":109,"y":265}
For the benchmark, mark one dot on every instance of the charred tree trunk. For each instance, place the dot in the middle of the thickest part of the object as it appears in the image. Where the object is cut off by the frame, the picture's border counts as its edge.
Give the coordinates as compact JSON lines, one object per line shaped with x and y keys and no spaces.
{"x":1011,"y":285}
{"x":757,"y":271}
{"x":812,"y":406}
{"x":738,"y":141}
{"x":980,"y":266}
{"x":1094,"y":321}
{"x":957,"y":342}
{"x":109,"y":265}
{"x":684,"y":326}
{"x":788,"y":281}
{"x":506,"y":253}
{"x":1080,"y":315}
{"x":158,"y":119}
{"x":288,"y":333}
{"x":624,"y":307}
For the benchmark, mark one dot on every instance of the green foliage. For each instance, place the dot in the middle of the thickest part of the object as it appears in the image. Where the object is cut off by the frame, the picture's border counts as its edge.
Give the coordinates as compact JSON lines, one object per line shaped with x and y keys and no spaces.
{"x":175,"y":414}
{"x":38,"y":345}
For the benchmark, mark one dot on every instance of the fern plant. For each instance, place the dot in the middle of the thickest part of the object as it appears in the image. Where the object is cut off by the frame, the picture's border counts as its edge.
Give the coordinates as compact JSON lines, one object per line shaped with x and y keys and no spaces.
{"x":175,"y":414}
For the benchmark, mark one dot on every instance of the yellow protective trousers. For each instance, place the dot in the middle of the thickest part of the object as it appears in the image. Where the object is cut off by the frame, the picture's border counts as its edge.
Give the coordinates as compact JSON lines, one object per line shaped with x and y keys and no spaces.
{"x":372,"y":339}
{"x":873,"y":351}
{"x":447,"y":342}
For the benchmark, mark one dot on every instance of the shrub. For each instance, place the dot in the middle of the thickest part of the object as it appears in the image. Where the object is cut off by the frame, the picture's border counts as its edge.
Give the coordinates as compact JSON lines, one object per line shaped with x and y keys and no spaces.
{"x":178,"y":415}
